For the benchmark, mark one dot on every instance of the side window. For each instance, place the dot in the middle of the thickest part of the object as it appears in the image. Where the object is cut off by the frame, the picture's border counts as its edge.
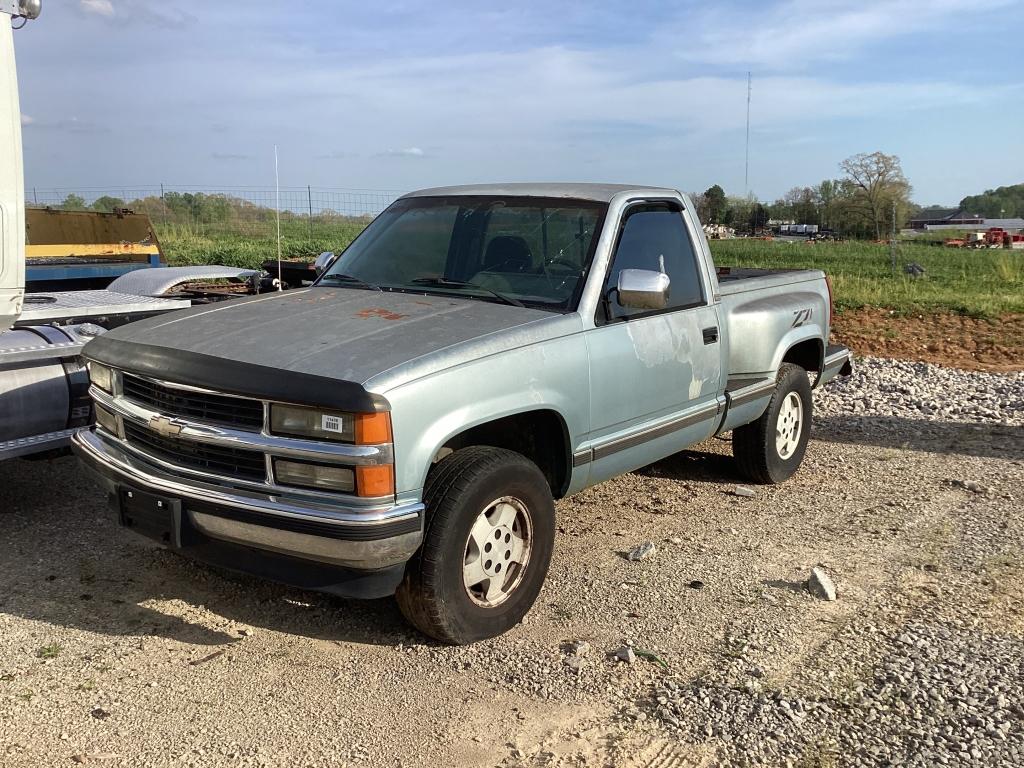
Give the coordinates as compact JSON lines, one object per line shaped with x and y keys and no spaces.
{"x":654,"y":237}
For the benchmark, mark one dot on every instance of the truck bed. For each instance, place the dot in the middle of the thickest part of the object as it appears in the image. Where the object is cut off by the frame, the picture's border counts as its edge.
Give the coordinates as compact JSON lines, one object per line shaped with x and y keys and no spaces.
{"x":732,"y":280}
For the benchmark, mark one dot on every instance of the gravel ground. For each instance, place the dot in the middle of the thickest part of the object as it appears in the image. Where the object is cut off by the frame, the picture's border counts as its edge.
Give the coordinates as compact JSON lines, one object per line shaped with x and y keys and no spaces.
{"x":113,"y":652}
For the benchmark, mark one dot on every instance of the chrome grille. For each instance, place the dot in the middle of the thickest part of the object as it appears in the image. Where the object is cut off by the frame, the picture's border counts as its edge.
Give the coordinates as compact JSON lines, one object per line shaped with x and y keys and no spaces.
{"x":220,"y":460}
{"x":201,"y":406}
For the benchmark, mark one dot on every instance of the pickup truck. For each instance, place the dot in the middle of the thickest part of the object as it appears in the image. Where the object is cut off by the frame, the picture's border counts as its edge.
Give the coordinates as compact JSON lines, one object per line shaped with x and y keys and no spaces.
{"x":404,"y":425}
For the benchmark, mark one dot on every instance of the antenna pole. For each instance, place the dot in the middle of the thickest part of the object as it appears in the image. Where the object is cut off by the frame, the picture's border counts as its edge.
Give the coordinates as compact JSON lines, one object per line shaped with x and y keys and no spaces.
{"x":892,"y":240}
{"x":277,"y":204}
{"x":746,"y":163}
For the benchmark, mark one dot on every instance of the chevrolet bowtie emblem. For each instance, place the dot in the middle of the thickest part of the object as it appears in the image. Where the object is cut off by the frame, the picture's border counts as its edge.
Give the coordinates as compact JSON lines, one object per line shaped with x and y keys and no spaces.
{"x":164,"y":427}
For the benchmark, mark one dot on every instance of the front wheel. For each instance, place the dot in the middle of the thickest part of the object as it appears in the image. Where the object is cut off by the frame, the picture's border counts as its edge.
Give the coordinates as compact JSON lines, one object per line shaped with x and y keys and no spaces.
{"x":771,"y":449}
{"x":486,"y":549}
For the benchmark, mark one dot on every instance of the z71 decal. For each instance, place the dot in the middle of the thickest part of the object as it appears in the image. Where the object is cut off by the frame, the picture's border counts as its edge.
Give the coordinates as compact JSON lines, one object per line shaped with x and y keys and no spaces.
{"x":802,"y":316}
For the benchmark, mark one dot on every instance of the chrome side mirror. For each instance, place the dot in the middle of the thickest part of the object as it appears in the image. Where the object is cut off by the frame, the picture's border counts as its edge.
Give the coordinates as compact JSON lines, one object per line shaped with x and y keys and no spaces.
{"x":323,"y":261}
{"x":29,"y":9}
{"x":643,"y":289}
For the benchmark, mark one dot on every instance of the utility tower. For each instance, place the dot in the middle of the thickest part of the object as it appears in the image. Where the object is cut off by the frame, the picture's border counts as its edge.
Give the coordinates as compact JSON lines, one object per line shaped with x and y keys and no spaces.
{"x":746,"y":163}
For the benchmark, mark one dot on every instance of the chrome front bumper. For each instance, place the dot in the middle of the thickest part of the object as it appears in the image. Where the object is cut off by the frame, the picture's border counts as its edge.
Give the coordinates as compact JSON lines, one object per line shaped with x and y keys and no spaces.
{"x":333,"y":534}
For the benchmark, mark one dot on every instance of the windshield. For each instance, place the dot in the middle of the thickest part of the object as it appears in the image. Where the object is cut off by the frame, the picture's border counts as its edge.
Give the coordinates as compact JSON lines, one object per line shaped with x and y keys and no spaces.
{"x":518,"y":250}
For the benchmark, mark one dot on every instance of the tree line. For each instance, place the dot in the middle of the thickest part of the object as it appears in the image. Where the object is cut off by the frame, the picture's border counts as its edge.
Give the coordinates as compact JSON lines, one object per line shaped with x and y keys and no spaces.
{"x":186,"y":207}
{"x":1003,"y":202}
{"x":213,"y":211}
{"x":870,"y":197}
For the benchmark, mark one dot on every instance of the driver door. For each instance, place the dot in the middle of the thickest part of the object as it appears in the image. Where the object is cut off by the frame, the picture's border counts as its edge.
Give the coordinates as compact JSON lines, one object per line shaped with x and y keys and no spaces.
{"x":655,"y":376}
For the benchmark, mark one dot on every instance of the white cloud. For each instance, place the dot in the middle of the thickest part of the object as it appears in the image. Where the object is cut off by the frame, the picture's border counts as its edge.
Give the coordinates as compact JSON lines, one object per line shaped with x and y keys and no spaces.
{"x":68,"y":125}
{"x":793,"y":34}
{"x":407,"y":152}
{"x":99,"y":7}
{"x":598,"y":107}
{"x":153,"y":13}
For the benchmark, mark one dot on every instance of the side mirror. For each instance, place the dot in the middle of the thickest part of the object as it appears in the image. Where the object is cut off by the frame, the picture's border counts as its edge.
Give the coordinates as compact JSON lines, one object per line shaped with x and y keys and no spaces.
{"x":323,"y":261}
{"x":643,"y":289}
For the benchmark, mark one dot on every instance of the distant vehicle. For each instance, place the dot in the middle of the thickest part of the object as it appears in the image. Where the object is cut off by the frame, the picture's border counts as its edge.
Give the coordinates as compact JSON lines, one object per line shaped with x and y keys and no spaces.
{"x":406,"y":423}
{"x":798,"y":229}
{"x":994,"y":237}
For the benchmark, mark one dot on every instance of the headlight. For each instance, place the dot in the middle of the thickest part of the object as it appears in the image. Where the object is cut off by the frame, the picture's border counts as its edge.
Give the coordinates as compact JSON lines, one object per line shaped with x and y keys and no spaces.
{"x":320,"y":424}
{"x":320,"y":476}
{"x":101,"y":376}
{"x":296,"y":421}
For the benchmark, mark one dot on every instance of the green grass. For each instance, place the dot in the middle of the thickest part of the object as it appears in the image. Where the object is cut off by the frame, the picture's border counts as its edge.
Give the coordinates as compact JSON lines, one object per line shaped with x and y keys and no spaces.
{"x":980,"y":283}
{"x":49,"y":651}
{"x":237,"y":249}
{"x":937,"y":235}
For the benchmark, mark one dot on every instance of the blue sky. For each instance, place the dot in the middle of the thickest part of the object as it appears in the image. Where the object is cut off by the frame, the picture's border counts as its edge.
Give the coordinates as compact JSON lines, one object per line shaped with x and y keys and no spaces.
{"x":124,"y":93}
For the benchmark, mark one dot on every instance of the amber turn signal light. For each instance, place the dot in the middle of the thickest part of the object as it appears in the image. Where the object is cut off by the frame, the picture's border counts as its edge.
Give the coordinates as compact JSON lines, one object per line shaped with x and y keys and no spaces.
{"x":373,"y":428}
{"x":375,"y":480}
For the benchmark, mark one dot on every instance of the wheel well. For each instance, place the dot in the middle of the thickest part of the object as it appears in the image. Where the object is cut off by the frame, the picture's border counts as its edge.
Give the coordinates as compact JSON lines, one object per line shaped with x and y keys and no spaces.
{"x":541,"y":436}
{"x":807,"y":354}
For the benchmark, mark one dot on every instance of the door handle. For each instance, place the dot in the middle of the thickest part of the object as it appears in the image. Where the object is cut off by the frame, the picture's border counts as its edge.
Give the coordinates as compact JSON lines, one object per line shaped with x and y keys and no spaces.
{"x":711,"y":335}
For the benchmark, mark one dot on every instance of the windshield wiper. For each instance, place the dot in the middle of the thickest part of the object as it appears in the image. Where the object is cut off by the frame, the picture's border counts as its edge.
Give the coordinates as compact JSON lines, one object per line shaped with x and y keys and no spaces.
{"x":355,"y":282}
{"x":444,"y":282}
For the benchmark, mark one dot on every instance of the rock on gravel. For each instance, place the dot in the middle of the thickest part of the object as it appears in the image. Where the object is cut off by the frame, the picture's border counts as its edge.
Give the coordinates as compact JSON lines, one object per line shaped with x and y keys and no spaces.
{"x":579,"y":648}
{"x":939,"y":694}
{"x":625,"y":653}
{"x":912,"y":390}
{"x":642,"y":552}
{"x":970,"y":485}
{"x":820,"y":584}
{"x":742,"y":490}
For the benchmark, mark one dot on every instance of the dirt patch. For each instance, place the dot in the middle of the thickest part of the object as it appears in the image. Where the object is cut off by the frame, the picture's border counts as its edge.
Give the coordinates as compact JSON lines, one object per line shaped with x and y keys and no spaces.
{"x":959,"y":341}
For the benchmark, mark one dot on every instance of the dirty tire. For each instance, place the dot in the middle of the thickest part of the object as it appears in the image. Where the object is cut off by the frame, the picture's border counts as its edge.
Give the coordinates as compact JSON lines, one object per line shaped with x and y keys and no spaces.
{"x":754,"y":444}
{"x":433,"y":595}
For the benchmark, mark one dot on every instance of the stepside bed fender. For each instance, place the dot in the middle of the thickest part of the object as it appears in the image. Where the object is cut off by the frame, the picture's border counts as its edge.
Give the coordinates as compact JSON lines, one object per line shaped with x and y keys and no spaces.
{"x":764,"y":330}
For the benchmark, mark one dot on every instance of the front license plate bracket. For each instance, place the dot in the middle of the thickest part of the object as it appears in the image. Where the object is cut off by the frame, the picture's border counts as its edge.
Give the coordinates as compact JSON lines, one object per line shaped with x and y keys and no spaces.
{"x":155,"y":517}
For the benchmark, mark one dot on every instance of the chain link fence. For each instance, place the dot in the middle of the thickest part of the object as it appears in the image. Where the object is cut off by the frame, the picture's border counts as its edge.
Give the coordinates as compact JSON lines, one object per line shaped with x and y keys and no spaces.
{"x":248,"y":212}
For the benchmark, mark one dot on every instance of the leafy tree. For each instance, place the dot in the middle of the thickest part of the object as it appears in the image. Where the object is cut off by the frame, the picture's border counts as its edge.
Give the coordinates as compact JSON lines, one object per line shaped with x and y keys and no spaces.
{"x":73,"y":202}
{"x":879,"y":184}
{"x":1003,"y":202}
{"x":802,"y":202}
{"x":714,"y":198}
{"x":738,"y":210}
{"x":827,"y":193}
{"x":107,"y":204}
{"x":201,"y":208}
{"x":758,"y":217}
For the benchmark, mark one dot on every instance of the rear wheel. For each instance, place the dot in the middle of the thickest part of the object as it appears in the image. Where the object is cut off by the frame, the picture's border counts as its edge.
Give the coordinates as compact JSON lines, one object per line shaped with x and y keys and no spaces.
{"x":771,"y":449}
{"x":486,"y":549}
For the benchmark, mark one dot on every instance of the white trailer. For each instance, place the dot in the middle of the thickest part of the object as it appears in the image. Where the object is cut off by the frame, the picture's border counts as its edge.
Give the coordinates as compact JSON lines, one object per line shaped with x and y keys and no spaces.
{"x":43,"y":383}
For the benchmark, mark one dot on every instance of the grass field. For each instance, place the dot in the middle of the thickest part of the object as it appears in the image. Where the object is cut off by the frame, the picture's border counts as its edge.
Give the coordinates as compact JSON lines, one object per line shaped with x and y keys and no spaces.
{"x":980,"y":283}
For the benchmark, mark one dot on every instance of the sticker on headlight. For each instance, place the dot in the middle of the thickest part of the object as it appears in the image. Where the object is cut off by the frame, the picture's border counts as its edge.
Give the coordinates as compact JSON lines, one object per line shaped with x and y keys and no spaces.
{"x":331,"y":423}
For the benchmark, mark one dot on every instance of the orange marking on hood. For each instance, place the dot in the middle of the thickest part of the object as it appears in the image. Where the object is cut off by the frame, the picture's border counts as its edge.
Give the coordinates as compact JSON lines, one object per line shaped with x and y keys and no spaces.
{"x":386,"y":314}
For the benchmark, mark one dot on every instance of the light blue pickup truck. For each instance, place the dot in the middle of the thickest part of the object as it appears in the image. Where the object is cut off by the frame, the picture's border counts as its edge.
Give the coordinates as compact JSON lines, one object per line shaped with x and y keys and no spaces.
{"x":405,"y":424}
